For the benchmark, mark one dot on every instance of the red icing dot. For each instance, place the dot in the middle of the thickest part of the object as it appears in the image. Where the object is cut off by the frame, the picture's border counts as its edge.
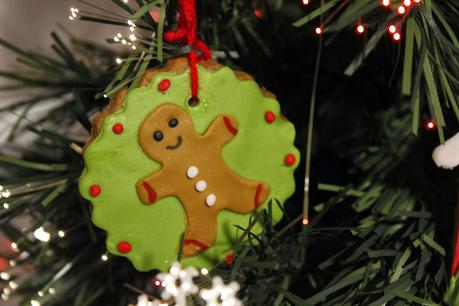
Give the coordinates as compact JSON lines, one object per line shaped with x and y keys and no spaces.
{"x":229,"y":259}
{"x":118,"y":128}
{"x":289,"y":159}
{"x":164,"y":85}
{"x":270,"y":117}
{"x":95,"y":190}
{"x":124,"y":247}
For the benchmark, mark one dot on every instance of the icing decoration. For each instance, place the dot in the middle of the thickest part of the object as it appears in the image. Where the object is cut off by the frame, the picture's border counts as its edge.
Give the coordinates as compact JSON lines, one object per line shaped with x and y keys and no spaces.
{"x":221,"y":294}
{"x":124,"y":247}
{"x":164,"y":85}
{"x":211,"y":199}
{"x":201,"y":186}
{"x":118,"y":128}
{"x":178,"y":284}
{"x":192,"y":172}
{"x":447,"y":155}
{"x":235,"y":192}
{"x":95,"y":190}
{"x":270,"y":117}
{"x":289,"y":159}
{"x":117,"y":164}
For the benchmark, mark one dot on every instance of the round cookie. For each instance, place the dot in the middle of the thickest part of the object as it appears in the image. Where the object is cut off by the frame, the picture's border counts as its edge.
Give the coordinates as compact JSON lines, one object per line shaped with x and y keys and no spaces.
{"x":157,"y":168}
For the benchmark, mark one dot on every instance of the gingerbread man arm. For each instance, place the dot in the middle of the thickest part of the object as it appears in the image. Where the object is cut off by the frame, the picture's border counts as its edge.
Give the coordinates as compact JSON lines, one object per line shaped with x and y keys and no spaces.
{"x":222,"y":129}
{"x":154,"y":187}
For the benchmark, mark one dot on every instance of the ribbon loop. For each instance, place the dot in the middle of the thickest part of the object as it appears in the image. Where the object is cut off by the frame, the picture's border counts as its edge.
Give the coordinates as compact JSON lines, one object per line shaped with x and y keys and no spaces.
{"x":187,"y":33}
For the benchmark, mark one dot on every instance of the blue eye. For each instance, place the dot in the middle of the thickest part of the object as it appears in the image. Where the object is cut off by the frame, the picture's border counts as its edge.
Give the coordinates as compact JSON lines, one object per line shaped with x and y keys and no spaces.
{"x":158,"y":136}
{"x":173,"y":123}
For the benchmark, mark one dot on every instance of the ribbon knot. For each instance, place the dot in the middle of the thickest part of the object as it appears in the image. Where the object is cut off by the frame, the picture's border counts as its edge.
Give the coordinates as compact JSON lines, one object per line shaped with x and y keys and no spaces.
{"x":187,"y":33}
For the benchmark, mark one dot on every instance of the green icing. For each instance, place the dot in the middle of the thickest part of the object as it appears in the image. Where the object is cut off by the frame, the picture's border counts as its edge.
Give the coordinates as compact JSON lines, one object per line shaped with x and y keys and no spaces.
{"x":116,"y":163}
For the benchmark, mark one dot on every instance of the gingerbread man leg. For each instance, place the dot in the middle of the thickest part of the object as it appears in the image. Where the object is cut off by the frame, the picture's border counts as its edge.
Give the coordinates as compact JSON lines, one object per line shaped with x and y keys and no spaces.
{"x":154,"y":187}
{"x":200,"y":232}
{"x":248,"y":195}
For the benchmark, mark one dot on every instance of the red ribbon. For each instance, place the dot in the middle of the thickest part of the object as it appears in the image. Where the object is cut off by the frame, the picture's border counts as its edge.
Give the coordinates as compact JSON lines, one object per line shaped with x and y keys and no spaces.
{"x":187,"y":33}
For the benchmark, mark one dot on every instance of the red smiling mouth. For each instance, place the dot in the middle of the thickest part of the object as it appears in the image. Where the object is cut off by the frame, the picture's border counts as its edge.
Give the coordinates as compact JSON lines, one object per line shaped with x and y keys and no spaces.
{"x":177,"y":145}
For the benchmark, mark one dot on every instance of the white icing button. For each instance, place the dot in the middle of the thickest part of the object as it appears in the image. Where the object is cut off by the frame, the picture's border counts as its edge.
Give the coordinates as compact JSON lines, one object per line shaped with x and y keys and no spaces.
{"x":211,"y":199}
{"x":192,"y":171}
{"x":201,"y":186}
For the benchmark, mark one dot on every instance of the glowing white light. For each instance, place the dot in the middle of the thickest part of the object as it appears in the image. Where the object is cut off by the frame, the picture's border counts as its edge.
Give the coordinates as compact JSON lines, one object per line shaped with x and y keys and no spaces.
{"x":7,"y":291}
{"x":401,"y":10}
{"x":305,"y":2}
{"x":392,"y":29}
{"x":131,"y":23}
{"x":204,"y":271}
{"x":104,"y":257}
{"x":318,"y":30}
{"x":40,"y":293}
{"x":125,"y":1}
{"x":12,"y":263}
{"x":123,"y":41}
{"x":61,"y":234}
{"x":132,"y":29}
{"x":1,"y":187}
{"x":118,"y":61}
{"x":133,"y":47}
{"x":5,"y":194}
{"x":52,"y":291}
{"x":119,"y":35}
{"x":34,"y":303}
{"x":14,"y":246}
{"x":397,"y":36}
{"x":105,"y":96}
{"x":116,"y":39}
{"x":132,"y":37}
{"x":6,"y":205}
{"x":13,"y":285}
{"x":4,"y":276}
{"x":5,"y":297}
{"x":385,"y":2}
{"x":41,"y":234}
{"x":406,"y":2}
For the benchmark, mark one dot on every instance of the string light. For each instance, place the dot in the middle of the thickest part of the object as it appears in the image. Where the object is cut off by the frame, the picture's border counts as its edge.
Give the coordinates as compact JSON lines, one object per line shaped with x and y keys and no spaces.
{"x":41,"y":234}
{"x":258,"y":13}
{"x":5,"y":297}
{"x":417,"y":1}
{"x":6,"y":205}
{"x":14,"y":246}
{"x":385,"y":2}
{"x":430,"y":125}
{"x":34,"y":303}
{"x":118,"y":60}
{"x":305,"y":2}
{"x":360,"y":29}
{"x":406,"y":2}
{"x":305,"y":221}
{"x":318,"y":30}
{"x":104,"y":257}
{"x":13,"y":285}
{"x":392,"y":29}
{"x":40,"y":293}
{"x":61,"y":234}
{"x":4,"y":276}
{"x":204,"y":271}
{"x":74,"y":13}
{"x":7,"y":291}
{"x":401,"y":10}
{"x":52,"y":291}
{"x":396,"y":36}
{"x":5,"y":194}
{"x":12,"y":263}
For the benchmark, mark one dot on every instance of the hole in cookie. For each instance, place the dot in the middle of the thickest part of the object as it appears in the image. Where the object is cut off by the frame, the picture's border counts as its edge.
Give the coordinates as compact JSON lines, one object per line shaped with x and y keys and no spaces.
{"x":193,"y":101}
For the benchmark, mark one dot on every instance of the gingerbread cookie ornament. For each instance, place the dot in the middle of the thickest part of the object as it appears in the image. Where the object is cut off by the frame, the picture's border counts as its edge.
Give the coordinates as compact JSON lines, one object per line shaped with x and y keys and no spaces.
{"x":159,"y":169}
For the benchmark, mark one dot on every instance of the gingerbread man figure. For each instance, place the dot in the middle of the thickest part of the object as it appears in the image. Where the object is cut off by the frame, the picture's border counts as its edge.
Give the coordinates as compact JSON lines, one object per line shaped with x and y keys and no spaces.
{"x":193,"y":170}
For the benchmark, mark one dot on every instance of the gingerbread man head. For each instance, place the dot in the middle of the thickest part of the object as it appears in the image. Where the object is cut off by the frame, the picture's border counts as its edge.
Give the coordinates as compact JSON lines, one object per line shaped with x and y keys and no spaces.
{"x":166,"y":132}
